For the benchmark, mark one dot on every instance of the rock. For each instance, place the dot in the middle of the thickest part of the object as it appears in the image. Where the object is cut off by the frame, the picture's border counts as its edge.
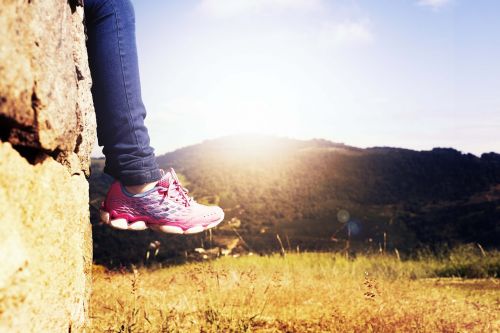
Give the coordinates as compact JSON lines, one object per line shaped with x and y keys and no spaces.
{"x":46,"y":247}
{"x":47,"y":129}
{"x":45,"y":99}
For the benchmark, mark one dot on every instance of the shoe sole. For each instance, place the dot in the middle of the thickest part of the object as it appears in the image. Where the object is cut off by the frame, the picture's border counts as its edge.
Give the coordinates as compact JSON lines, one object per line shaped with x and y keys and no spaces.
{"x":123,"y":224}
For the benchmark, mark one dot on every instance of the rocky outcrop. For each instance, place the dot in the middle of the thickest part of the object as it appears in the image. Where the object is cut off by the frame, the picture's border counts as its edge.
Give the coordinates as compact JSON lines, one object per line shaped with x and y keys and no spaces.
{"x":45,"y":101}
{"x":47,"y":129}
{"x":46,"y":248}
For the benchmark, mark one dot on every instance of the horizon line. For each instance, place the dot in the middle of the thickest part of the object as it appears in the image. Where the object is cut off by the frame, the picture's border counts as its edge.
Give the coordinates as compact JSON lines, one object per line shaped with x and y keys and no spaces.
{"x":270,"y":136}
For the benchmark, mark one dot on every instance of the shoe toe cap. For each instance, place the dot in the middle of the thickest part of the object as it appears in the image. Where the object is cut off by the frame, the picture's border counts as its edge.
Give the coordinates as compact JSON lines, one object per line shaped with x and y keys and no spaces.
{"x":214,"y":213}
{"x":208,"y":215}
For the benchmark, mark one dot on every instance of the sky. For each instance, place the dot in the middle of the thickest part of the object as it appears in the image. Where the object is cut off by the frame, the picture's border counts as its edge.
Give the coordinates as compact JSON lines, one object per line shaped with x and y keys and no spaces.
{"x":416,"y":74}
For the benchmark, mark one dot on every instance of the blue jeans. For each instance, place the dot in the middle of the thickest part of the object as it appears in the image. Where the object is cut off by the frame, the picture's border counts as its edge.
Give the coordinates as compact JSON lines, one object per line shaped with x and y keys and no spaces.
{"x":116,"y":92}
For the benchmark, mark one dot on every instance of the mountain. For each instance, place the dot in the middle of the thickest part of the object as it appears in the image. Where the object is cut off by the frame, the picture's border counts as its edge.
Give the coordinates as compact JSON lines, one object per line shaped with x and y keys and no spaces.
{"x":303,"y":191}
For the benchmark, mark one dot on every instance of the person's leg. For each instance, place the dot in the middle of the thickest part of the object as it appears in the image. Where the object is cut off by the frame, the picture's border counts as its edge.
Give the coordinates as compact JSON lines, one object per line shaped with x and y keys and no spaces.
{"x":116,"y":92}
{"x":143,"y":195}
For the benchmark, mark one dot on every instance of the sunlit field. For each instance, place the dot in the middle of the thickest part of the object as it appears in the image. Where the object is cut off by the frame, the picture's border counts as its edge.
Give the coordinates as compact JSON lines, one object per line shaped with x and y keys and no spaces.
{"x":307,"y":292}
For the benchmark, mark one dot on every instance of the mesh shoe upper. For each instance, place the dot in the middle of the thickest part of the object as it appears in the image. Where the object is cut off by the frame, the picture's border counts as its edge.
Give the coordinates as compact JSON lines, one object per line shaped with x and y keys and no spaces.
{"x":167,"y":204}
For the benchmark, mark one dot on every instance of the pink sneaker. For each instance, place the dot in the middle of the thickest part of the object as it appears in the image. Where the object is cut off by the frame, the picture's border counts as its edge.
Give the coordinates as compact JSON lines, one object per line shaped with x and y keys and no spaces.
{"x":166,"y":208}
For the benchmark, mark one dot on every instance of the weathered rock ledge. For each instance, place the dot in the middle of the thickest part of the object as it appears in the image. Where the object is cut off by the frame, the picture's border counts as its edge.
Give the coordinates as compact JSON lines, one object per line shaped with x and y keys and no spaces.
{"x":47,"y":129}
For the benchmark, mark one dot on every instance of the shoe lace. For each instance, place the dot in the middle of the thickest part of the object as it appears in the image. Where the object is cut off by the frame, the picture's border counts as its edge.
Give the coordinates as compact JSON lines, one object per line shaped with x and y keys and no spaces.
{"x":174,"y":189}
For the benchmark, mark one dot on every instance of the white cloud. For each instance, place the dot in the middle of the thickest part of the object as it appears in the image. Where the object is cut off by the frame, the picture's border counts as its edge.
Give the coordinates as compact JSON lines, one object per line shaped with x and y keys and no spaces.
{"x":347,"y":33}
{"x":434,"y":4}
{"x":229,"y":8}
{"x":329,"y":29}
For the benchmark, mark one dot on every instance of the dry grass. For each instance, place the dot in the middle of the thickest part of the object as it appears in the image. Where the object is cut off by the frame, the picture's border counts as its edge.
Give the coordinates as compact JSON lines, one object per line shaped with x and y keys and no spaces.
{"x":298,"y":293}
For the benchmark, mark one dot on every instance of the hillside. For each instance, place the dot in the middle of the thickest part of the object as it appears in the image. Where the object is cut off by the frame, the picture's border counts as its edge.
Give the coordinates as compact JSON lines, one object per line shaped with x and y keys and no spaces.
{"x":296,"y":189}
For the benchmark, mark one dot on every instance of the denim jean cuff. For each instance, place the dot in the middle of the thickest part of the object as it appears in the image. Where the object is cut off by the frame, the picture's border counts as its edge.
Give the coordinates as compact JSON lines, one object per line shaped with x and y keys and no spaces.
{"x":142,"y":177}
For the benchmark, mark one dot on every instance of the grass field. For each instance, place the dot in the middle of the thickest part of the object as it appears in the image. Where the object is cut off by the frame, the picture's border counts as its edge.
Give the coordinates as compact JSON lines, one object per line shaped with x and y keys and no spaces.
{"x":309,"y":292}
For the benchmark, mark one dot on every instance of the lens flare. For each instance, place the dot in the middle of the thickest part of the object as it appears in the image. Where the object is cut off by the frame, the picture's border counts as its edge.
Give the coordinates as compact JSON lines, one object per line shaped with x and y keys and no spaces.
{"x":354,"y":227}
{"x":343,"y":216}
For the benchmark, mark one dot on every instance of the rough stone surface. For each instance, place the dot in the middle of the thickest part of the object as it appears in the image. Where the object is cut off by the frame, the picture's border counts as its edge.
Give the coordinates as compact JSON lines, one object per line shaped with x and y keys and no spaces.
{"x":47,"y":128}
{"x":45,"y":100}
{"x":46,"y":249}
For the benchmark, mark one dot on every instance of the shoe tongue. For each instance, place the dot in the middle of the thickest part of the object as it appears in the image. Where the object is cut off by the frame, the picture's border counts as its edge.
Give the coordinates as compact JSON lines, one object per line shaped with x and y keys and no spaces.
{"x":166,"y":179}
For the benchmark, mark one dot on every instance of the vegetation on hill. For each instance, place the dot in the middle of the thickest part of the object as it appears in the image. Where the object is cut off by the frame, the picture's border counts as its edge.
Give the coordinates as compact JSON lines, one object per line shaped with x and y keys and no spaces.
{"x":393,"y":198}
